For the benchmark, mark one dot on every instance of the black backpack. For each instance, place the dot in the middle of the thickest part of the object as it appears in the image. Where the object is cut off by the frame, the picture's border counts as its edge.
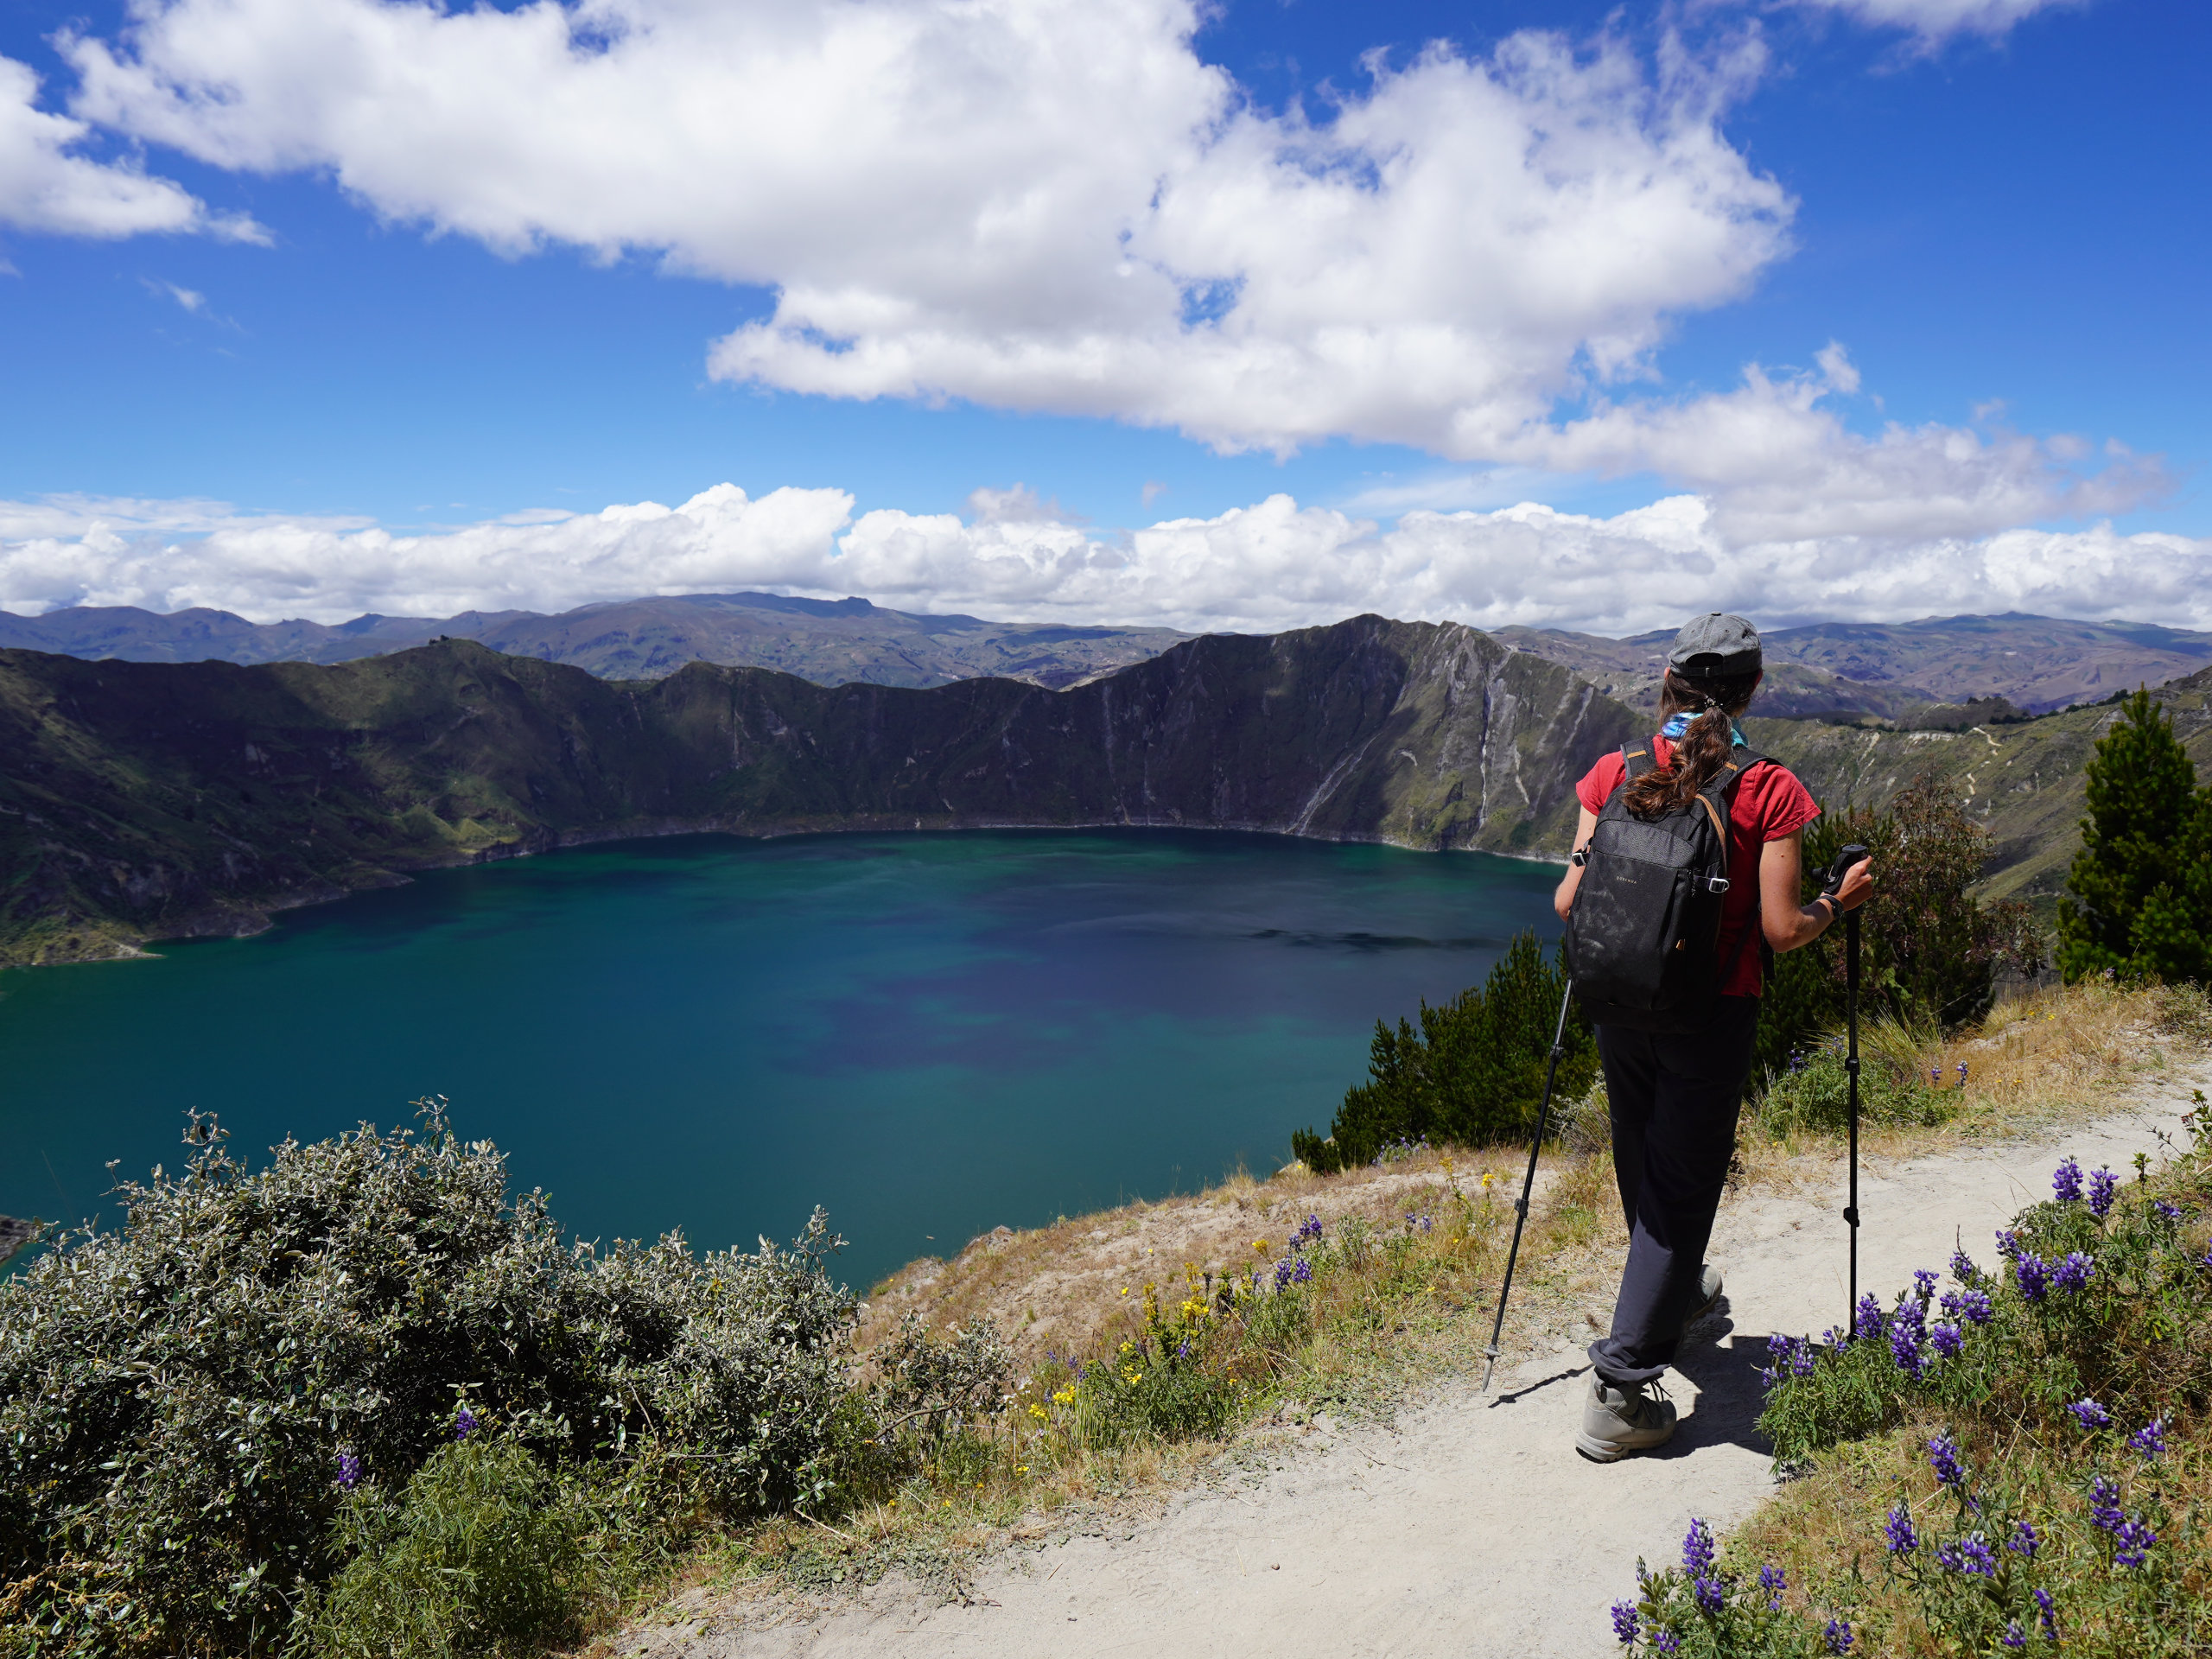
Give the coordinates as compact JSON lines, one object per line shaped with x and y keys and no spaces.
{"x":1644,"y":937}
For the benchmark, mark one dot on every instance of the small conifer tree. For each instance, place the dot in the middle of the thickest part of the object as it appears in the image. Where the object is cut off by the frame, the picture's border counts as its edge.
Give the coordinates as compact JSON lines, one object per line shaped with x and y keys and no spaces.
{"x":2140,"y":893}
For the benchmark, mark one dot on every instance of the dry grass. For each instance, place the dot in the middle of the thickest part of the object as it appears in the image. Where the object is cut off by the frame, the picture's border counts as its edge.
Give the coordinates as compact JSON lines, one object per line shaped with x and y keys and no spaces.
{"x":1074,"y":1287}
{"x":2057,"y":1055}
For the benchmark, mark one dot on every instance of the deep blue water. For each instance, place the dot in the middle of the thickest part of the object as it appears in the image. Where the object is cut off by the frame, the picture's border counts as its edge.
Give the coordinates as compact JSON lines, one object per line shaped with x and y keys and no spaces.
{"x":930,"y":1034}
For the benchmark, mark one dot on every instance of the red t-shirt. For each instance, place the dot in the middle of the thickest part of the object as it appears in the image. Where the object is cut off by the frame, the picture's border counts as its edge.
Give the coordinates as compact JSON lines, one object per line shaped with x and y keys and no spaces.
{"x":1767,"y":804}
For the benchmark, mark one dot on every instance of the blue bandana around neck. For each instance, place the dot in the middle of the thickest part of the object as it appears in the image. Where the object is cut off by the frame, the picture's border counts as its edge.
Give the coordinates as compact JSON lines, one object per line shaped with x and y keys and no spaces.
{"x":1677,"y":725}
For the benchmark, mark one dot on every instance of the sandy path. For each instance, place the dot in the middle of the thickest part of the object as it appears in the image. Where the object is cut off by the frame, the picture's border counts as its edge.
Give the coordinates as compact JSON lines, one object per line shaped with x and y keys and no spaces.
{"x":1472,"y":1528}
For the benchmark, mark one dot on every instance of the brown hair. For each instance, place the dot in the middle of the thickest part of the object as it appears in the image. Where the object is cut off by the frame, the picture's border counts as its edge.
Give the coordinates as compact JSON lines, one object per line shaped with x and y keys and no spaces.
{"x":1700,"y":752}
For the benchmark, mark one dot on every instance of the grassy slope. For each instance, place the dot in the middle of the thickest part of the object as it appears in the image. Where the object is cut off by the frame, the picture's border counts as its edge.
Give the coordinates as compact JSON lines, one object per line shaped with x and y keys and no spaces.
{"x":150,"y":800}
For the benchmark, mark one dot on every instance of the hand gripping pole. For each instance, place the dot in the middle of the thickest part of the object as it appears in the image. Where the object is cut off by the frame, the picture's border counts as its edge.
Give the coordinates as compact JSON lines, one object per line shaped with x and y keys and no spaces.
{"x":1527,"y":1185}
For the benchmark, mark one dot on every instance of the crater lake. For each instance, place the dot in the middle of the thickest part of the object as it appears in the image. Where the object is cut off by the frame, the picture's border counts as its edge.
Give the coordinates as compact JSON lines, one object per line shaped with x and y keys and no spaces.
{"x":931,"y":1035}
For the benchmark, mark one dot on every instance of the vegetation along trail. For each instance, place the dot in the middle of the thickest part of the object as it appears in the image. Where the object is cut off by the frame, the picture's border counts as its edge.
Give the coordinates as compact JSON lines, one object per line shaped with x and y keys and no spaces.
{"x":1466,"y":1526}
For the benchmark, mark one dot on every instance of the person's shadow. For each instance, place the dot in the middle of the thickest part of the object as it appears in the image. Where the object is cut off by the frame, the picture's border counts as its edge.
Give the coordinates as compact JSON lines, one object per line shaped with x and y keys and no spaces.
{"x":1724,"y":1364}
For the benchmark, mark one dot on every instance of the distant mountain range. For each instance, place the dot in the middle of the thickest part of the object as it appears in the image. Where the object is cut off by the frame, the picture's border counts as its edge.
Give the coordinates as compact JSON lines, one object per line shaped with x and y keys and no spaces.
{"x":831,"y":642}
{"x":1948,"y":672}
{"x":149,"y":800}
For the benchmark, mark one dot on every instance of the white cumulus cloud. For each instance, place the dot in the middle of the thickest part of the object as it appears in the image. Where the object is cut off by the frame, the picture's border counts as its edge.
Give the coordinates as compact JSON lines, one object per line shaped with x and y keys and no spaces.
{"x":1047,"y":204}
{"x":1272,"y":565}
{"x":44,"y":187}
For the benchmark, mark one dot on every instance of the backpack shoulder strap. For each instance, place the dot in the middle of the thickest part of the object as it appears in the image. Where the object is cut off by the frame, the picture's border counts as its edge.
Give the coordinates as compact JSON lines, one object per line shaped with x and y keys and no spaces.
{"x":1636,"y":762}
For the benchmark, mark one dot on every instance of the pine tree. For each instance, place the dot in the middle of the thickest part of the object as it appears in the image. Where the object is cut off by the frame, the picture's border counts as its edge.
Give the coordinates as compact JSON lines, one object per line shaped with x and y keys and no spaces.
{"x":2140,"y":892}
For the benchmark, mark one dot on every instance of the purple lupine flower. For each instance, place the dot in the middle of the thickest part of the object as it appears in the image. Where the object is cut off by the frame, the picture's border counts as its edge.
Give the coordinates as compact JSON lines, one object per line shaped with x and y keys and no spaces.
{"x":1283,"y":1273}
{"x":2066,"y":1182}
{"x":1774,"y":1582}
{"x":1924,"y":1286}
{"x":464,"y":1423}
{"x":2073,"y":1272}
{"x":1697,"y":1549}
{"x":1709,"y":1596}
{"x":349,"y":1471}
{"x":2091,"y":1415}
{"x":1802,"y":1359}
{"x":2046,"y":1614}
{"x":1962,"y":1074}
{"x":1899,"y":1530}
{"x":1665,"y":1641}
{"x":1777,"y":1351}
{"x":1971,"y":1555}
{"x":2104,"y":1505}
{"x":2103,"y":1188}
{"x":2150,"y":1440}
{"x":1183,"y":1349}
{"x":1904,"y":1348}
{"x":1868,"y":1325}
{"x":1972,"y":1306}
{"x":2023,"y":1542}
{"x":2034,"y":1274}
{"x":1936,"y":1076}
{"x":1837,"y":1636}
{"x":1949,"y":1340}
{"x":1943,"y":1459}
{"x":1303,"y":1274}
{"x":2132,"y":1543}
{"x":1913,"y":1312}
{"x":2014,"y":1637}
{"x":1624,"y":1622}
{"x":2008,"y":1243}
{"x":1963,"y":1267}
{"x":2167,"y":1211}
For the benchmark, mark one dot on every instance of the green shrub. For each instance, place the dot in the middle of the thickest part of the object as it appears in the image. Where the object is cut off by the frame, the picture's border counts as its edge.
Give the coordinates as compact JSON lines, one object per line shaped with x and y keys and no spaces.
{"x":483,"y":1551}
{"x":176,"y":1398}
{"x":1472,"y":1074}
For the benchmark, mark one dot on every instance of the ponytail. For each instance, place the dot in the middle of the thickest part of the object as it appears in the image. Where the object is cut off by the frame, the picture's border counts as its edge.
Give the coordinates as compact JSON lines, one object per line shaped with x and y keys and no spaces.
{"x":1700,"y":752}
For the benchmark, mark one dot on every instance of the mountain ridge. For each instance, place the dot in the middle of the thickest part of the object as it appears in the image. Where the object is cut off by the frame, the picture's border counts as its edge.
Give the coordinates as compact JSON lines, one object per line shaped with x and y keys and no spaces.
{"x":827,"y":640}
{"x":150,"y":800}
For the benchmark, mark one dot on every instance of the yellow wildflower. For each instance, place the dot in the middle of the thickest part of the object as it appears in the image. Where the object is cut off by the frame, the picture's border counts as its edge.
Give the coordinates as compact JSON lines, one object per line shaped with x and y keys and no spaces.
{"x":1037,"y":1411}
{"x":1064,"y":1397}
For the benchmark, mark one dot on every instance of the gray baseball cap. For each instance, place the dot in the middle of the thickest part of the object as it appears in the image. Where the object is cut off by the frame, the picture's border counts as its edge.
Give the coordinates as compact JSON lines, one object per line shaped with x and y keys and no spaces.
{"x":1715,"y":646}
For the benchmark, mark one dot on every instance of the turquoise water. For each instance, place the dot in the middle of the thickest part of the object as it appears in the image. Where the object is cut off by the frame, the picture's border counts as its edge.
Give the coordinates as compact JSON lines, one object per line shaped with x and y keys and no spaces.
{"x":930,"y":1034}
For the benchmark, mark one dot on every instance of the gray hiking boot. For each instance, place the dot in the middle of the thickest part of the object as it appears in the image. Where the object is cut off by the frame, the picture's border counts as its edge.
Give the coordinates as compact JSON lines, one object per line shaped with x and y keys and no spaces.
{"x":1708,"y":1295}
{"x":1618,"y":1423}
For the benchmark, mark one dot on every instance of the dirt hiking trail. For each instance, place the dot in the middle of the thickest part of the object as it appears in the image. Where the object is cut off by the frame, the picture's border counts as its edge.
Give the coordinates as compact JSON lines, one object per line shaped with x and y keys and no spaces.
{"x":1468,"y":1527}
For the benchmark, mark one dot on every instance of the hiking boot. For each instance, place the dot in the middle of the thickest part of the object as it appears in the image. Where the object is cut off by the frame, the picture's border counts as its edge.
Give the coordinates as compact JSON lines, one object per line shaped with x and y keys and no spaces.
{"x":1708,"y":1295}
{"x":1618,"y":1423}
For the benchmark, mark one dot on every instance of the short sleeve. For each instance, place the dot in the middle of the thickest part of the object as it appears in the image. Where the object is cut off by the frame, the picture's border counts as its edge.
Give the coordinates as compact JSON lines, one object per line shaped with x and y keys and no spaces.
{"x":1785,"y":804}
{"x":1600,"y":781}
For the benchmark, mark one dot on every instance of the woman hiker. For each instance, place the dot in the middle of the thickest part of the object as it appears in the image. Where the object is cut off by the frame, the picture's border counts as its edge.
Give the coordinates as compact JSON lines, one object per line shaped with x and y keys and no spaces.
{"x":1675,"y":1098}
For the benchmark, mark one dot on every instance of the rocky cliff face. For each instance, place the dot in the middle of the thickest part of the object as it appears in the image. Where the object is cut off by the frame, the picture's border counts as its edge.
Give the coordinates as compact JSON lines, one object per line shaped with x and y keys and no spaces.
{"x":150,"y":800}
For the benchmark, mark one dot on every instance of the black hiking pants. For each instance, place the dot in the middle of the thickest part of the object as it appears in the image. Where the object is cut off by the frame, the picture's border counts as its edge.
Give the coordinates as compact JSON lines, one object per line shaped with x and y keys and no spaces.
{"x":1675,"y":1102}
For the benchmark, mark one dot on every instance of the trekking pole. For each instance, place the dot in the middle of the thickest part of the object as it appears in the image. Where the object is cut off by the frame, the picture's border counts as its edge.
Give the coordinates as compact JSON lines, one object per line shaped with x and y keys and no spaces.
{"x":1528,"y":1183}
{"x":1845,"y":860}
